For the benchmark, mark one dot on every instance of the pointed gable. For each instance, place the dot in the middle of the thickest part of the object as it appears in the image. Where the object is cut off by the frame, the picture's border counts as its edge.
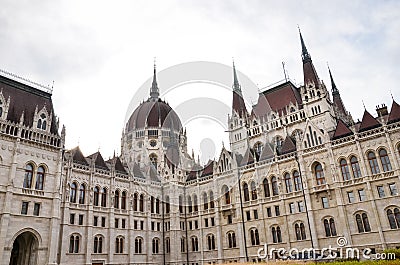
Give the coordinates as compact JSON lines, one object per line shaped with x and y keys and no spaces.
{"x":394,"y":115}
{"x":267,"y":152}
{"x":78,"y":157}
{"x":368,"y":122}
{"x":341,"y":130}
{"x":288,"y":146}
{"x":248,"y":158}
{"x":98,"y":160}
{"x":118,"y":166}
{"x":137,"y":173}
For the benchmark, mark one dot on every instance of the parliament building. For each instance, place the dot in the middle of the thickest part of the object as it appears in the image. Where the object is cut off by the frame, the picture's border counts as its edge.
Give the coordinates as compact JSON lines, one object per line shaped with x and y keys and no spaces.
{"x":299,"y":172}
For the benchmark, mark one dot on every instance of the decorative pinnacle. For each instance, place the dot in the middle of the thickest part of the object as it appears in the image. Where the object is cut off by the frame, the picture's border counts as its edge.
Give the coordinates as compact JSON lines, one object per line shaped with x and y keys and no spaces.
{"x":334,"y":88}
{"x":236,"y":86}
{"x":154,"y":91}
{"x":304,"y":53}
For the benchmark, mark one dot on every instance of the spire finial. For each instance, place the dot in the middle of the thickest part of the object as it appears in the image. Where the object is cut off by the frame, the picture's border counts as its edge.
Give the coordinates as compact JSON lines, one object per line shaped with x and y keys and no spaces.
{"x":334,"y":88}
{"x":154,"y":91}
{"x":391,"y":94}
{"x":236,"y":86}
{"x":304,"y":53}
{"x":363,"y":104}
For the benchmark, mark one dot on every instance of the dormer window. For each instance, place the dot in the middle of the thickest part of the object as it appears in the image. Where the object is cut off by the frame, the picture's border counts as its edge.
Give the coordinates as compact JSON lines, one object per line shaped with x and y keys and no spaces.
{"x":42,"y":123}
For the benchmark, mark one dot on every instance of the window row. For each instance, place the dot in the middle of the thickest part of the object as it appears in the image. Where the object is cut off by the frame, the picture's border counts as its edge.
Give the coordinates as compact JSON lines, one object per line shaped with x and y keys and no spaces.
{"x":33,"y":175}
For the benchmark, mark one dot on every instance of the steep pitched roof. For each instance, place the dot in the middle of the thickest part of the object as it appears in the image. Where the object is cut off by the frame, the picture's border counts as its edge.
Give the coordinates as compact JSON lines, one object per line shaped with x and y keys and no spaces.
{"x":153,"y":174}
{"x":137,"y":173}
{"x":341,"y":130}
{"x":78,"y":157}
{"x":25,"y":99}
{"x":98,"y":160}
{"x":288,"y":146}
{"x":394,"y":115}
{"x":277,"y":99}
{"x":248,"y":158}
{"x":267,"y":152}
{"x":208,"y":169}
{"x":118,"y":166}
{"x":368,"y":122}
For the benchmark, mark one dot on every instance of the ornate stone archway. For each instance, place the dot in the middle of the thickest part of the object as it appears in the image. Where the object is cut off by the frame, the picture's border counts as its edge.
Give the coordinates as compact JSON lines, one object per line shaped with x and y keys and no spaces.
{"x":25,"y":249}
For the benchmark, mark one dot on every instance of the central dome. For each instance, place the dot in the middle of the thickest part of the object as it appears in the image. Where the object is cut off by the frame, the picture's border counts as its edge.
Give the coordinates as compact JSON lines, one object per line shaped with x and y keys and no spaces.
{"x":154,"y":113}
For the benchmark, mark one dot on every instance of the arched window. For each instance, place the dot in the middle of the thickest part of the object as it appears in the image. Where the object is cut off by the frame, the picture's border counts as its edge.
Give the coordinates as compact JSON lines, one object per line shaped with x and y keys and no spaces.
{"x":167,"y":204}
{"x":39,"y":178}
{"x":266,"y":188}
{"x":330,"y":228}
{"x":195,"y":204}
{"x":363,"y":223}
{"x":72,"y":193}
{"x":138,"y":245}
{"x":246,"y":192}
{"x":28,"y":176}
{"x":153,"y":160}
{"x":190,"y":207}
{"x":157,"y":205}
{"x":98,"y":244}
{"x":123,"y":200}
{"x":141,"y":203}
{"x":96,"y":192}
{"x":288,"y":183}
{"x":394,"y":218}
{"x":258,"y":149}
{"x":183,"y":244}
{"x":167,"y":245}
{"x":373,"y":163}
{"x":211,"y":242}
{"x":254,"y":237}
{"x":211,"y":200}
{"x":119,"y":245}
{"x":155,"y":246}
{"x":276,"y":234}
{"x":385,"y":161}
{"x":297,"y":181}
{"x":116,"y":199}
{"x":274,"y":184}
{"x":135,"y":201}
{"x":205,"y":201}
{"x":104,"y":197}
{"x":227,"y":194}
{"x":231,"y":240}
{"x":355,"y":167}
{"x":253,"y":190}
{"x":345,"y":169}
{"x":82,"y":190}
{"x":180,"y":204}
{"x":319,"y":174}
{"x":300,"y":231}
{"x":195,"y":244}
{"x":74,"y":244}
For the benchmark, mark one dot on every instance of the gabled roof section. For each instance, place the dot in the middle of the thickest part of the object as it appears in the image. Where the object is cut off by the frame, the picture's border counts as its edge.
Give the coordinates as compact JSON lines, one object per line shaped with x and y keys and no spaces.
{"x":288,"y":146}
{"x":153,"y":174}
{"x":208,"y":169}
{"x":98,"y":160}
{"x":368,"y":122}
{"x":137,"y":173}
{"x":278,"y":99}
{"x":267,"y":152}
{"x":119,"y":167}
{"x":394,"y":115}
{"x":78,"y":157}
{"x":248,"y":158}
{"x":341,"y":130}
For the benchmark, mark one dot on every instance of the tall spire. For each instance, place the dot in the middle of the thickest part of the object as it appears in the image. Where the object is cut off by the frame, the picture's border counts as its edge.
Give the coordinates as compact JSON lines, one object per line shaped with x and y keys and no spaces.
{"x":237,"y":102}
{"x":236,"y":86}
{"x":154,"y":91}
{"x":304,"y":53}
{"x":334,"y":88}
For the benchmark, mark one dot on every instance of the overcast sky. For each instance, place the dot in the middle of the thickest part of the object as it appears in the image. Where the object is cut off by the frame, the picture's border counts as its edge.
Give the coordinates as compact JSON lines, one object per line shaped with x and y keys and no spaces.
{"x":100,"y":52}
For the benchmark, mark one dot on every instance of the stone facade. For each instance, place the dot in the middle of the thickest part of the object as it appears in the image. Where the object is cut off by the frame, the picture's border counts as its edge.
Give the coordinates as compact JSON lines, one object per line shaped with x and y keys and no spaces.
{"x":299,"y":173}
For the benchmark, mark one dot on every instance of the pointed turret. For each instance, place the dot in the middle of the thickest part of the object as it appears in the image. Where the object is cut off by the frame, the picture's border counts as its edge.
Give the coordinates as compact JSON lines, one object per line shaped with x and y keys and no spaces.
{"x":237,"y":102}
{"x":338,"y":105}
{"x":394,"y":115}
{"x":368,"y":122}
{"x":310,"y":75}
{"x":154,"y":91}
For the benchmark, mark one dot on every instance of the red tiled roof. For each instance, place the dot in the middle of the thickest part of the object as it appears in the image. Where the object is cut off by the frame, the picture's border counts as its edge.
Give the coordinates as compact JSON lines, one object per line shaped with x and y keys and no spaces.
{"x":208,"y":169}
{"x":152,"y":113}
{"x":310,"y":74}
{"x":288,"y":146}
{"x":238,"y":104}
{"x":98,"y":160}
{"x":25,"y":99}
{"x":341,"y":130}
{"x":394,"y":113}
{"x":368,"y":122}
{"x":277,"y":99}
{"x":78,"y":157}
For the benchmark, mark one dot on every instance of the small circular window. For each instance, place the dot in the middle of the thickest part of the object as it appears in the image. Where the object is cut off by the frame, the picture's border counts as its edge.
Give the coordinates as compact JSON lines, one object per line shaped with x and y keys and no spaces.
{"x":153,"y":143}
